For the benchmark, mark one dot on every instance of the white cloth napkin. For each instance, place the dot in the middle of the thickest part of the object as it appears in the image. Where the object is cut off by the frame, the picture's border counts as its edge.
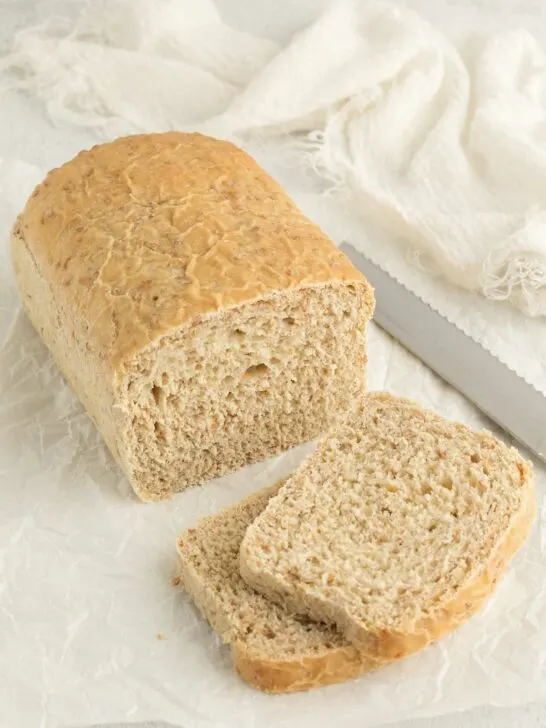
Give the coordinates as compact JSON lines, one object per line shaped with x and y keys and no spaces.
{"x":444,"y":148}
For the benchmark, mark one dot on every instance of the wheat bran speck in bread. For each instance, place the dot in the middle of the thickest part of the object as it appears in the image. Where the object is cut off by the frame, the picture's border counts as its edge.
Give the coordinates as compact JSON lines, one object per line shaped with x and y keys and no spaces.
{"x":201,"y":318}
{"x":396,"y":529}
{"x":272,"y":649}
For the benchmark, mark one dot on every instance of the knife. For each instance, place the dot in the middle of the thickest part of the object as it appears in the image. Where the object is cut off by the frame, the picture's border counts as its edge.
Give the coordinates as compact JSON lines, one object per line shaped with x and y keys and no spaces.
{"x":493,"y":387}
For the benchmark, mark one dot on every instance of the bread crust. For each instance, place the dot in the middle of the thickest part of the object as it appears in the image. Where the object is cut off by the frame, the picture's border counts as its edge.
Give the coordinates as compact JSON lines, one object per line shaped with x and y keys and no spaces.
{"x":282,"y":676}
{"x":143,"y":234}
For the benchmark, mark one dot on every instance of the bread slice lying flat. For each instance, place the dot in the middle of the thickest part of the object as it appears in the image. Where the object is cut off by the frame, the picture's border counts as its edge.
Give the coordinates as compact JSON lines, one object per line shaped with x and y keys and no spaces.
{"x":396,"y":529}
{"x":273,"y":650}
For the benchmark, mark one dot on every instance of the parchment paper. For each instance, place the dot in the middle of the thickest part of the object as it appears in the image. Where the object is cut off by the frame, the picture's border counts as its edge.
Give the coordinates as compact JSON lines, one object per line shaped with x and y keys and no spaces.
{"x":91,"y":629}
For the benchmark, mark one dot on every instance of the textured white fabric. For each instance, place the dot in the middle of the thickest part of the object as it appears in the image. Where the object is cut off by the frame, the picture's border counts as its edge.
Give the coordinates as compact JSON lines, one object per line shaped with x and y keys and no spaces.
{"x":443,"y":148}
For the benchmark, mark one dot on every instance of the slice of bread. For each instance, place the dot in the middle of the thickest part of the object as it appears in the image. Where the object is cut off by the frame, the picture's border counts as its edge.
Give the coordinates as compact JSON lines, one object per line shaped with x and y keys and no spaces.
{"x":396,"y":529}
{"x":272,"y":649}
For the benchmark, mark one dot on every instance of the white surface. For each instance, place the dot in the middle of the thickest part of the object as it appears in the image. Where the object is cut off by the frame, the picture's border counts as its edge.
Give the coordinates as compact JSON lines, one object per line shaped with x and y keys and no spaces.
{"x":35,"y":142}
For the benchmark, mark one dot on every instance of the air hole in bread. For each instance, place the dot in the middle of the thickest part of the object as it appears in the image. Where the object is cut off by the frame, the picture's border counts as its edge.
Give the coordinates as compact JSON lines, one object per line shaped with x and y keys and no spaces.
{"x":158,"y":394}
{"x":475,"y":457}
{"x":159,"y":431}
{"x":256,"y":370}
{"x":239,"y":334}
{"x":289,"y":320}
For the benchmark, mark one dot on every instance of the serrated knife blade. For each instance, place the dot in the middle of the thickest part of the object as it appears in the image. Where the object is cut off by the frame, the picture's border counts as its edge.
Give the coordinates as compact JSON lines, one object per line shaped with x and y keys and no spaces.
{"x":493,"y":387}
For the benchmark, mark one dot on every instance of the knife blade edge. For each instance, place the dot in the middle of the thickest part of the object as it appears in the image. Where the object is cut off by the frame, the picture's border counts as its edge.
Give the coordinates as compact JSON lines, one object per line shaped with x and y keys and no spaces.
{"x":521,"y":410}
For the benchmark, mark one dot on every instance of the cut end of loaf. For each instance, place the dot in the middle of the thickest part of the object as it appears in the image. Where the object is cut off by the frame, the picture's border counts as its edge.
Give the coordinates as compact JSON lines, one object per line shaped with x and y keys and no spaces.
{"x":243,"y":385}
{"x":396,"y":529}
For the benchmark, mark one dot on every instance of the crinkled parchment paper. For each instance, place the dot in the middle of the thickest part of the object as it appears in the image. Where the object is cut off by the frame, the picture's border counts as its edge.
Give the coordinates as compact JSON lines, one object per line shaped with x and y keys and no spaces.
{"x":91,"y":629}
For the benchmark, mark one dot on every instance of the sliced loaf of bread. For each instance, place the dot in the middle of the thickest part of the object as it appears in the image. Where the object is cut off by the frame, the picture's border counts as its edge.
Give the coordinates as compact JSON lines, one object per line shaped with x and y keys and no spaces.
{"x":201,"y":318}
{"x":395,"y":530}
{"x":273,"y":650}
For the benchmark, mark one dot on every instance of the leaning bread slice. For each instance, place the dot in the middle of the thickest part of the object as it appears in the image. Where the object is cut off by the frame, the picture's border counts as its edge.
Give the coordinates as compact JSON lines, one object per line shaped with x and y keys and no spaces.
{"x":273,"y":650}
{"x":396,"y":529}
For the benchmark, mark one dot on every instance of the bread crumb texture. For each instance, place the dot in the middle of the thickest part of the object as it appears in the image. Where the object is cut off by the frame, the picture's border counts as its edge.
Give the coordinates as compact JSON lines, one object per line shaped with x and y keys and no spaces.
{"x":273,"y":649}
{"x":396,"y":529}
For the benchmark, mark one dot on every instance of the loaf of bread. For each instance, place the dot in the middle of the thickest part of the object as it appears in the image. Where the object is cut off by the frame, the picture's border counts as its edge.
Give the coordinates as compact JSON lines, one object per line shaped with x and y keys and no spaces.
{"x":201,"y":318}
{"x":272,"y":649}
{"x":395,"y":530}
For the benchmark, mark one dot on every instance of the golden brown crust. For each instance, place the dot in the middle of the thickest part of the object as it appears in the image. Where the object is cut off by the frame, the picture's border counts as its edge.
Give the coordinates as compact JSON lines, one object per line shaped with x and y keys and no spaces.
{"x":282,"y":676}
{"x":147,"y":232}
